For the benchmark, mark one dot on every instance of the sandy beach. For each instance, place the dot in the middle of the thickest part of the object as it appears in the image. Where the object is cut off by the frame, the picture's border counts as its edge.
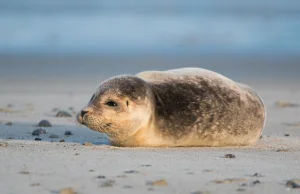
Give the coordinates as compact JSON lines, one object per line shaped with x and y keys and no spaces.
{"x":53,"y":55}
{"x":60,"y":161}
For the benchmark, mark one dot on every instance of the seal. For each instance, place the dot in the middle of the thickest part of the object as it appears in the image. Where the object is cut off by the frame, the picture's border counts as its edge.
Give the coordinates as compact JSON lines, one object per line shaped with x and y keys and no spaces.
{"x":180,"y":107}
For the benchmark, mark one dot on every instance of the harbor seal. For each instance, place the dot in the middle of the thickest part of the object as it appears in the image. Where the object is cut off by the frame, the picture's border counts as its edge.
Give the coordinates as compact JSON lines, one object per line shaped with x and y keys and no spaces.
{"x":180,"y":107}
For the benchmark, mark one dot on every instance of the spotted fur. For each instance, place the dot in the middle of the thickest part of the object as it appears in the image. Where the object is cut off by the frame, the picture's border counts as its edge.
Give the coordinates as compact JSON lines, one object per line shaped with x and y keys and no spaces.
{"x":182,"y":107}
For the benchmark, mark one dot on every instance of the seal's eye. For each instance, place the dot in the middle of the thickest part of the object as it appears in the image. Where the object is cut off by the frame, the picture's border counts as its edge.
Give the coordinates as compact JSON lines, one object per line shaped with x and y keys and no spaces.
{"x":111,"y":103}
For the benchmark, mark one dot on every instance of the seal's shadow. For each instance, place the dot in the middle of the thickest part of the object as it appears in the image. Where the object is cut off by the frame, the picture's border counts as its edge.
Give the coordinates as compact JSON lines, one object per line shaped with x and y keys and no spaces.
{"x":56,"y":133}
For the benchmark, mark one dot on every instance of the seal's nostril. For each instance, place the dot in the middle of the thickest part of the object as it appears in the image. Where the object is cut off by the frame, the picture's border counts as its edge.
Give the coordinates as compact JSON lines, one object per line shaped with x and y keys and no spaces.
{"x":83,"y":112}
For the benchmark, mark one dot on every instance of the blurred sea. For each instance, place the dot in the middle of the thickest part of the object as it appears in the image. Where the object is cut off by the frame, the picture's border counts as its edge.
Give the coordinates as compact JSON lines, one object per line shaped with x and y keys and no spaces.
{"x":41,"y":38}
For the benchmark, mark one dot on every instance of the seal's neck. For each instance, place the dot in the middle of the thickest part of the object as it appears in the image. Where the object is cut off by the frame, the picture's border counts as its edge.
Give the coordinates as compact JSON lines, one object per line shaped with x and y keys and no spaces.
{"x":146,"y":136}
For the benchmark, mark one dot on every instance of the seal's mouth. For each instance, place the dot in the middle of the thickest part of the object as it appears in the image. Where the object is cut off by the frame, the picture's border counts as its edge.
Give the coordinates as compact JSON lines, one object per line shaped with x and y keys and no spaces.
{"x":79,"y":119}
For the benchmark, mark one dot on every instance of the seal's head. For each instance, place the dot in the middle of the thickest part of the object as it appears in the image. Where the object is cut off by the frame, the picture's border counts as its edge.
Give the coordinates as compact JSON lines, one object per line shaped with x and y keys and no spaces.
{"x":120,"y":107}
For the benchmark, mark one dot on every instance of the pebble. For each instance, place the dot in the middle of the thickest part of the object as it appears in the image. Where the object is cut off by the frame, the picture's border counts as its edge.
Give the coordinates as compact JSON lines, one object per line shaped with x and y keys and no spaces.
{"x":67,"y":191}
{"x":257,"y":175}
{"x":283,"y":104}
{"x":101,"y":177}
{"x":8,"y":123}
{"x":38,"y":139}
{"x":131,"y":172}
{"x":62,"y":140}
{"x":63,"y":114}
{"x":292,"y":184}
{"x":160,"y":182}
{"x":207,"y":170}
{"x":146,"y":165}
{"x":44,"y":123}
{"x":256,"y":182}
{"x":229,"y":156}
{"x":68,"y":133}
{"x":53,"y":136}
{"x":3,"y":144}
{"x":226,"y":181}
{"x":292,"y":124}
{"x":286,"y":135}
{"x":38,"y":132}
{"x":282,"y":150}
{"x":55,"y":110}
{"x":88,"y":144}
{"x":108,"y":183}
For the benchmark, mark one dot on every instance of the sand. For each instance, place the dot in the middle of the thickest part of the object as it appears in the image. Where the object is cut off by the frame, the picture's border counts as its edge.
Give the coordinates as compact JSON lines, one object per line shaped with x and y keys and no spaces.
{"x":50,"y":166}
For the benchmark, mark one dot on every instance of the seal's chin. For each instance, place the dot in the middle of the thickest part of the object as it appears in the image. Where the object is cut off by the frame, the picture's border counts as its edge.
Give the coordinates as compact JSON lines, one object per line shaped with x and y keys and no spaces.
{"x":80,"y":119}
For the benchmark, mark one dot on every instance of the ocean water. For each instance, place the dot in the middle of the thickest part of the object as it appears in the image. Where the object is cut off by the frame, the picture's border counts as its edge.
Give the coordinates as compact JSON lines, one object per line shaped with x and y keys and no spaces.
{"x":179,"y":26}
{"x":100,"y":39}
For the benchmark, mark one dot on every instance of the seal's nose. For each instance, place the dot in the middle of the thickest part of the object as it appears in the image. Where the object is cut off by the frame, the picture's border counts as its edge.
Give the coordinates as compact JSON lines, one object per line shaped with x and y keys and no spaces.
{"x":83,"y":112}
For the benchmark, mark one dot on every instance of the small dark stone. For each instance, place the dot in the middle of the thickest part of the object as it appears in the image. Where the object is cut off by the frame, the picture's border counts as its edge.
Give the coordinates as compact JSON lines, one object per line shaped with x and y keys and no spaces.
{"x":8,"y":123}
{"x":91,"y":170}
{"x":282,"y":150}
{"x":101,"y":177}
{"x":244,"y":185}
{"x":54,"y":109}
{"x":76,"y":154}
{"x":38,"y":139}
{"x":292,"y":184}
{"x":38,"y":132}
{"x":257,"y":175}
{"x":44,"y":123}
{"x":146,"y":165}
{"x":256,"y":182}
{"x":229,"y":156}
{"x":108,"y":183}
{"x":286,"y":135}
{"x":63,"y":114}
{"x":10,"y":105}
{"x":62,"y":140}
{"x":68,"y":133}
{"x":241,"y":189}
{"x":131,"y":172}
{"x":53,"y":136}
